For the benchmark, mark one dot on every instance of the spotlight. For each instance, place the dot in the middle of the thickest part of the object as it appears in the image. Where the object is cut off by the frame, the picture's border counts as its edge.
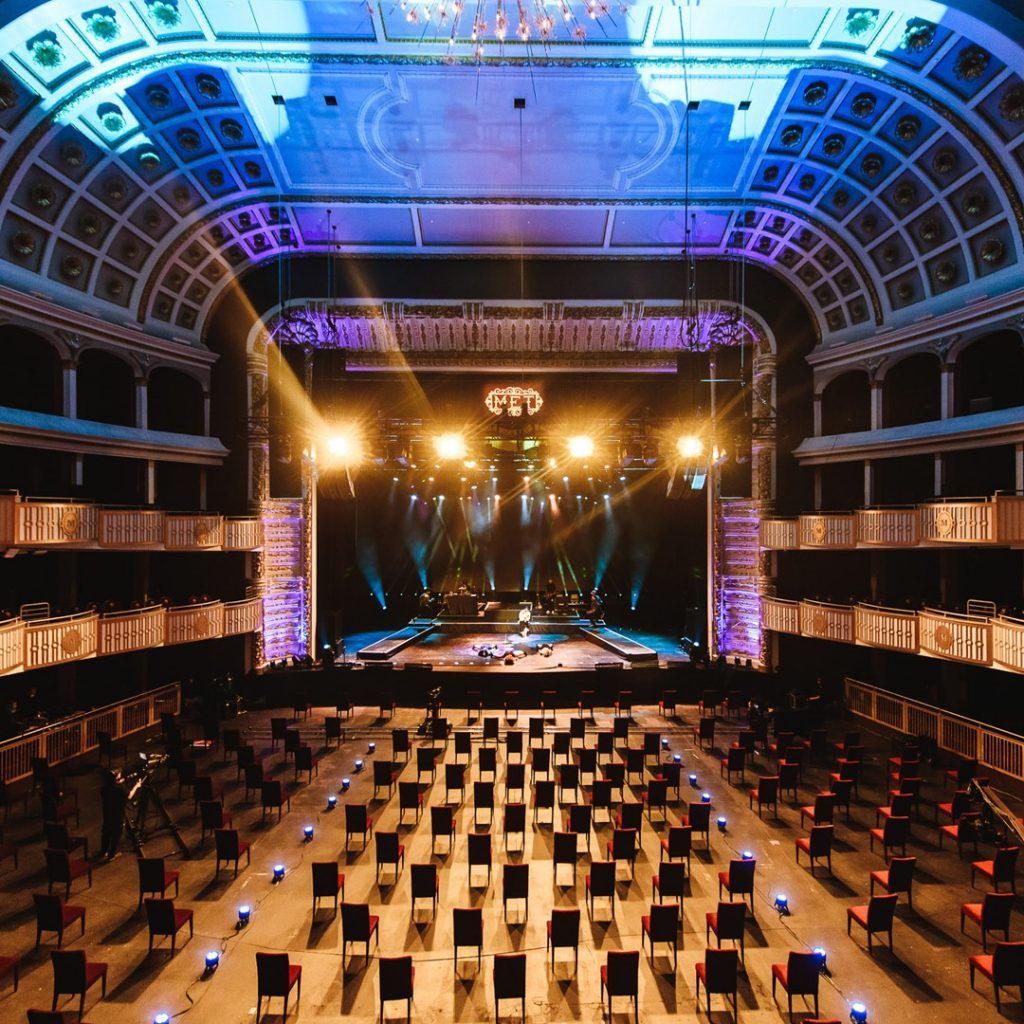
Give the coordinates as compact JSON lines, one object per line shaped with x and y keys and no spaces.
{"x":373,"y":747}
{"x":664,"y":743}
{"x":359,"y":764}
{"x":858,"y":1013}
{"x":721,"y":822}
{"x":212,"y":961}
{"x":782,"y":904}
{"x":678,"y":758}
{"x":307,"y":833}
{"x":819,"y":952}
{"x":162,"y":1018}
{"x":581,"y":446}
{"x":693,"y":779}
{"x":747,"y":855}
{"x":278,"y":875}
{"x":705,"y":798}
{"x":450,"y":446}
{"x":690,"y":447}
{"x":345,"y":783}
{"x":332,"y":802}
{"x":244,"y":912}
{"x":342,"y":447}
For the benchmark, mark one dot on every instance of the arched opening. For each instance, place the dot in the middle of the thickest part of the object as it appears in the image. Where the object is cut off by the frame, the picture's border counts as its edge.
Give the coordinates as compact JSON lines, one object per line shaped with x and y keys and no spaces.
{"x":175,"y":402}
{"x":30,"y":372}
{"x":846,"y":404}
{"x":989,"y":374}
{"x":106,"y":389}
{"x":911,"y":391}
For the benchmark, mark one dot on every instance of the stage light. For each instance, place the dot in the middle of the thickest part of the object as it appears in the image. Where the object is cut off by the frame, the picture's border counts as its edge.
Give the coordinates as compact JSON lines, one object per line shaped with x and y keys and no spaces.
{"x":243,"y":915}
{"x":690,"y":447}
{"x":678,"y":758}
{"x":343,"y":447}
{"x":359,"y":764}
{"x":278,"y":874}
{"x":705,"y":798}
{"x":858,"y":1013}
{"x":162,"y":1018}
{"x":581,"y":446}
{"x":345,"y":783}
{"x":782,"y":904}
{"x":693,"y":779}
{"x":212,"y":961}
{"x":332,"y":802}
{"x":372,"y":746}
{"x":721,"y":822}
{"x":819,"y":952}
{"x":747,"y":855}
{"x":450,"y":446}
{"x":307,"y":833}
{"x":664,"y":743}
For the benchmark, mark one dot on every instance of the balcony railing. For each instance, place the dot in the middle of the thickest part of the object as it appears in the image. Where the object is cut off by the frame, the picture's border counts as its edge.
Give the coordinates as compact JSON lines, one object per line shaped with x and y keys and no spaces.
{"x":61,"y":639}
{"x":891,"y":628}
{"x":195,"y":622}
{"x":997,"y":521}
{"x":827,"y":621}
{"x":243,"y":616}
{"x":73,"y":737}
{"x":956,"y":636}
{"x":781,"y":615}
{"x":132,"y":630}
{"x":38,"y":523}
{"x":1008,"y":642}
{"x":994,"y":748}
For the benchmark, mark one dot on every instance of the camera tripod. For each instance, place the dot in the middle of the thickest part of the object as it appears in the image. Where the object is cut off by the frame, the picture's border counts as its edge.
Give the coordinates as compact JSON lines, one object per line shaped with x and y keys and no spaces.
{"x":143,"y":806}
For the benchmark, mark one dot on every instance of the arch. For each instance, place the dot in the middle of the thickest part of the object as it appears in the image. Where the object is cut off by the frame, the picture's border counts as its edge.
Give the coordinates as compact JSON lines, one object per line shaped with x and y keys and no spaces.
{"x":911,"y":390}
{"x":106,"y":388}
{"x":846,"y":403}
{"x":989,"y":373}
{"x":175,"y":401}
{"x":30,"y":372}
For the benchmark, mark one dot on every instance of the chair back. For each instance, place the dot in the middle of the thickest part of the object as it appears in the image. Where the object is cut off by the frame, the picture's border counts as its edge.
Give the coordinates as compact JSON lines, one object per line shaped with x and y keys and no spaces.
{"x":488,"y":760}
{"x":355,"y":818}
{"x":680,"y":839}
{"x":672,"y":879}
{"x":721,"y":968}
{"x":408,"y":795}
{"x":272,"y":974}
{"x":509,"y":975}
{"x":601,"y":793}
{"x":58,"y":865}
{"x":468,"y":926}
{"x":490,"y":728}
{"x":569,"y":776}
{"x":565,"y":848}
{"x":399,"y":741}
{"x":824,"y":807}
{"x":698,"y":817}
{"x":68,"y":970}
{"x":565,"y":927}
{"x":602,"y":878}
{"x":160,"y":915}
{"x":441,"y":820}
{"x":387,"y":847}
{"x":425,"y":758}
{"x":664,"y":922}
{"x":483,"y":795}
{"x":355,"y":922}
{"x":901,"y":805}
{"x":325,"y":878}
{"x":631,"y":814}
{"x":881,"y":910}
{"x":424,"y":881}
{"x":514,"y":741}
{"x":624,"y":844}
{"x":623,"y":968}
{"x":652,"y":744}
{"x":768,"y":789}
{"x":895,"y":831}
{"x":536,"y":728}
{"x":226,"y":840}
{"x":272,"y":794}
{"x":515,"y":777}
{"x":802,"y":973}
{"x":737,"y":759}
{"x":605,"y":742}
{"x":211,"y":813}
{"x":439,"y":729}
{"x":544,"y":794}
{"x":635,"y":761}
{"x":541,"y":758}
{"x":789,"y":774}
{"x":560,"y":743}
{"x":515,"y":817}
{"x":381,"y":773}
{"x":741,"y":875}
{"x":253,"y":774}
{"x":515,"y":881}
{"x":479,"y":848}
{"x":151,"y":873}
{"x":57,"y":836}
{"x":996,"y":909}
{"x":454,"y":776}
{"x":731,"y":919}
{"x":1008,"y":963}
{"x":706,"y":729}
{"x":901,"y":873}
{"x":396,"y":977}
{"x":821,"y":840}
{"x":620,"y":729}
{"x":1005,"y":863}
{"x":49,"y":911}
{"x":851,"y":739}
{"x":463,"y":743}
{"x":580,"y":816}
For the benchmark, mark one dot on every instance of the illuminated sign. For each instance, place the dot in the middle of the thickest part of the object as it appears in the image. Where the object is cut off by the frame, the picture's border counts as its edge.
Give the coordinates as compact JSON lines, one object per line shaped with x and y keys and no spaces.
{"x":514,"y":401}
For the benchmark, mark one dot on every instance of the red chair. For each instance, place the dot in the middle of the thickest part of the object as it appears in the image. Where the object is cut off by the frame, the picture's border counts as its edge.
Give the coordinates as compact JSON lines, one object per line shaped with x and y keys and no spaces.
{"x":765,"y":792}
{"x":900,"y":805}
{"x":727,"y":922}
{"x":442,"y":824}
{"x":229,"y":848}
{"x":892,"y":834}
{"x":396,"y":978}
{"x":798,"y":977}
{"x":678,"y":844}
{"x":719,"y":974}
{"x":964,"y":831}
{"x":62,"y":870}
{"x":212,"y":816}
{"x":620,"y":977}
{"x":357,"y":822}
{"x":54,"y":915}
{"x":698,"y":818}
{"x":960,"y":803}
{"x":564,"y":931}
{"x":897,"y":878}
{"x":600,"y":883}
{"x":509,"y":980}
{"x":273,"y":798}
{"x":734,"y":763}
{"x":1004,"y":968}
{"x":73,"y":975}
{"x":166,"y":920}
{"x":1002,"y":869}
{"x":275,"y":978}
{"x":328,"y":882}
{"x":409,"y":799}
{"x":515,"y":885}
{"x":357,"y":925}
{"x":390,"y":853}
{"x":822,"y":812}
{"x":738,"y":880}
{"x":991,"y":915}
{"x":816,"y":845}
{"x":669,"y":881}
{"x":425,"y":884}
{"x":661,"y":925}
{"x":155,"y":878}
{"x":877,"y":916}
{"x":468,"y":930}
{"x":623,"y":847}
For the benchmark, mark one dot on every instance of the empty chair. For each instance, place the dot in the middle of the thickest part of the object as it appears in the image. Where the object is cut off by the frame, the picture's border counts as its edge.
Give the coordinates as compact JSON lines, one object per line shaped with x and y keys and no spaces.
{"x":661,"y":925}
{"x":631,"y":815}
{"x":396,"y":977}
{"x":896,"y":878}
{"x":578,"y":731}
{"x":817,"y":845}
{"x":623,"y":704}
{"x":384,"y":777}
{"x":357,"y":823}
{"x":540,"y":762}
{"x":765,"y":792}
{"x":425,"y":884}
{"x":400,"y":744}
{"x":963,"y":773}
{"x":900,"y":805}
{"x":620,"y":977}
{"x":600,"y":883}
{"x":991,"y":915}
{"x":952,"y":809}
{"x":623,"y":846}
{"x":544,"y":799}
{"x":253,"y":777}
{"x":585,"y":705}
{"x":672,"y":774}
{"x":275,"y":979}
{"x":698,"y":817}
{"x":73,"y":975}
{"x":727,"y":922}
{"x":719,"y":974}
{"x":705,"y":733}
{"x":789,"y":779}
{"x":455,"y":781}
{"x":877,"y":916}
{"x":667,"y":703}
{"x":964,"y":831}
{"x":515,"y":780}
{"x":155,"y":878}
{"x":850,"y":739}
{"x":479,"y":844}
{"x":514,"y":744}
{"x":54,"y":915}
{"x":892,"y":834}
{"x":656,"y":796}
{"x":390,"y":853}
{"x":822,"y":812}
{"x":204,"y":790}
{"x":510,"y":703}
{"x":536,"y":731}
{"x":229,"y":848}
{"x":328,"y":883}
{"x":357,"y":925}
{"x":620,"y":731}
{"x":635,"y":764}
{"x":62,"y":870}
{"x":560,"y":747}
{"x":468,"y":931}
{"x":601,"y":798}
{"x":212,"y":816}
{"x":564,"y":932}
{"x":166,"y":920}
{"x":509,"y":980}
{"x":615,"y":773}
{"x":515,"y":885}
{"x":491,"y":731}
{"x":273,"y":798}
{"x":483,"y":800}
{"x":579,"y":821}
{"x":605,"y":745}
{"x":1004,"y":968}
{"x":734,"y":763}
{"x":409,"y":799}
{"x":568,"y":782}
{"x":487,"y":762}
{"x":678,"y":844}
{"x":387,"y":705}
{"x":669,"y":881}
{"x":332,"y":730}
{"x":292,"y":742}
{"x":738,"y":880}
{"x":514,"y":823}
{"x":59,"y":838}
{"x":463,"y":746}
{"x":1001,"y":869}
{"x":798,"y":976}
{"x":442,"y":825}
{"x":426,"y":763}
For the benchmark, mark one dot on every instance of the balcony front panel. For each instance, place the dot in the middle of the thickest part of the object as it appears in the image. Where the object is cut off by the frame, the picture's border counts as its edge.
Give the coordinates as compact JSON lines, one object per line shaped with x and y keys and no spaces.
{"x":965,"y":638}
{"x":830,"y":530}
{"x":889,"y":527}
{"x":891,"y":628}
{"x":827,"y":621}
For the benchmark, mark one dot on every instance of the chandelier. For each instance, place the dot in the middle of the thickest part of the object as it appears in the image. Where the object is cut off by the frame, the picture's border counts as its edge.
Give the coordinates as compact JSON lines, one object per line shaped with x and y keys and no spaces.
{"x":481,"y":23}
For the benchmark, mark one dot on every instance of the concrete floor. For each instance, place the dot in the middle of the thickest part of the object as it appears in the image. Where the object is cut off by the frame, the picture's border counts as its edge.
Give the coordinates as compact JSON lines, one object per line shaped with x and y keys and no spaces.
{"x":925,"y":980}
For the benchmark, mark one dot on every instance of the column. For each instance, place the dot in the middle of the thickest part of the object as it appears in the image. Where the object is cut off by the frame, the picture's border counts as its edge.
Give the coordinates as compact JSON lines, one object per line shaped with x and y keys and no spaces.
{"x":876,"y":405}
{"x":817,"y":488}
{"x":150,"y":487}
{"x":817,"y":414}
{"x":202,"y":489}
{"x":946,"y":397}
{"x":939,"y":485}
{"x":69,"y":387}
{"x":206,"y":413}
{"x":869,"y":483}
{"x":259,"y":424}
{"x":142,"y":403}
{"x":1018,"y":468}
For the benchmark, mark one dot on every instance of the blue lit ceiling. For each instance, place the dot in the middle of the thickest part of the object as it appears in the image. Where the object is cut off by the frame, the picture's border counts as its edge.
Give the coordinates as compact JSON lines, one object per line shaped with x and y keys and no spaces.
{"x":151,"y":150}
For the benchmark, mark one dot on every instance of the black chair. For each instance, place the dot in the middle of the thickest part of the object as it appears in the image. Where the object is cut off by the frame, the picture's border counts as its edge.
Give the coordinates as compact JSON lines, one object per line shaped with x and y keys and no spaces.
{"x":876,"y":916}
{"x":705,"y":733}
{"x":565,"y":853}
{"x":601,"y":798}
{"x":560,"y":747}
{"x":212,"y":816}
{"x":1001,"y":869}
{"x":893,"y":834}
{"x":544,"y":799}
{"x":74,"y":975}
{"x":540,"y":762}
{"x":409,"y":799}
{"x":59,"y":838}
{"x":455,"y":780}
{"x":579,"y":820}
{"x":623,"y":846}
{"x":656,"y":796}
{"x":898,"y":877}
{"x":509,"y":979}
{"x":155,"y":878}
{"x":426,"y":763}
{"x":166,"y":920}
{"x":275,"y":978}
{"x":822,"y":812}
{"x":817,"y":845}
{"x":631,"y":815}
{"x":54,"y":915}
{"x":991,"y":915}
{"x":468,"y":930}
{"x":490,"y":731}
{"x":515,"y":885}
{"x":727,"y":922}
{"x":425,"y":884}
{"x":605,"y":745}
{"x":667,"y":704}
{"x":357,"y":925}
{"x":328,"y":883}
{"x":652,"y":746}
{"x":514,"y":744}
{"x":734,"y":763}
{"x":253,"y":777}
{"x":229,"y":848}
{"x":487,"y":762}
{"x":564,"y":931}
{"x":678,"y":844}
{"x":442,"y":824}
{"x":333,"y":732}
{"x":357,"y":823}
{"x":384,"y":777}
{"x":568,"y":782}
{"x":463,"y":746}
{"x":738,"y":880}
{"x":400,"y":744}
{"x":719,"y":974}
{"x":479,"y":853}
{"x":661,"y":925}
{"x":600,"y":883}
{"x":669,"y":881}
{"x":698,"y":817}
{"x":620,"y":977}
{"x":515,"y":823}
{"x":535,"y":731}
{"x":798,"y":977}
{"x":396,"y":977}
{"x":634,"y":764}
{"x":390,"y":853}
{"x":273,"y":798}
{"x":515,"y":780}
{"x":586,"y":758}
{"x":62,"y":870}
{"x":765,"y":792}
{"x":483,"y":800}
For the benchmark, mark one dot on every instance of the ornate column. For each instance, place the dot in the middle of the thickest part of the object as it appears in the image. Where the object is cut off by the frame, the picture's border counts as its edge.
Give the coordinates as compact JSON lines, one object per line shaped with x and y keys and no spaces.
{"x":258,"y":451}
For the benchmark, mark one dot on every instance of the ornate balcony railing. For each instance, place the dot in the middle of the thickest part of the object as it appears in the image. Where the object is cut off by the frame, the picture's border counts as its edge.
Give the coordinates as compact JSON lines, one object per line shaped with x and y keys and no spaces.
{"x":780,"y":615}
{"x":779,"y":534}
{"x":889,"y":527}
{"x":132,"y":630}
{"x":192,"y":622}
{"x":891,"y":628}
{"x":826,"y":621}
{"x":956,"y":636}
{"x":193,"y":532}
{"x":243,"y":616}
{"x":828,"y":530}
{"x":1008,"y":642}
{"x":243,"y":534}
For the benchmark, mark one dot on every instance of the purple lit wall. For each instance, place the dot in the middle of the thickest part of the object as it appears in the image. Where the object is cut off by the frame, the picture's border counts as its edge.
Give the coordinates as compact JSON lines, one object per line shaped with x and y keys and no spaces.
{"x":739,"y":583}
{"x":285,"y":587}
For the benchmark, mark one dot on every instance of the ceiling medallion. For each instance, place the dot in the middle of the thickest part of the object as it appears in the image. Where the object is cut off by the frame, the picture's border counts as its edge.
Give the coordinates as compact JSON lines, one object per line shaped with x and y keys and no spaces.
{"x":22,"y":244}
{"x":771,"y":172}
{"x":231,"y":130}
{"x":791,"y":136}
{"x":71,"y":267}
{"x":815,"y":93}
{"x":89,"y":225}
{"x":116,"y":190}
{"x":103,"y":25}
{"x":971,"y":63}
{"x":46,"y":51}
{"x":860,"y":21}
{"x":868,"y":224}
{"x":115,"y":287}
{"x":215,"y":177}
{"x":8,"y":94}
{"x":188,"y":139}
{"x":871,"y":165}
{"x":164,"y":12}
{"x":863,"y":105}
{"x":945,"y":272}
{"x":111,"y":118}
{"x":253,"y":169}
{"x":834,"y":145}
{"x":158,"y":97}
{"x":944,"y":161}
{"x":974,"y":204}
{"x":905,"y":194}
{"x":930,"y":230}
{"x":992,"y":251}
{"x":72,"y":154}
{"x":917,"y":36}
{"x":1011,"y":106}
{"x":890,"y":254}
{"x":907,"y":128}
{"x":149,"y":159}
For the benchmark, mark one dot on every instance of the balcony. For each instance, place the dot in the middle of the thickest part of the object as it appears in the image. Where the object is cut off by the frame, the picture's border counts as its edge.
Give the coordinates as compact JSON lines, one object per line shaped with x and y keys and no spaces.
{"x":889,"y":628}
{"x":826,"y":621}
{"x":779,"y":534}
{"x":780,"y":615}
{"x":828,"y":530}
{"x":888,"y":527}
{"x":955,"y":636}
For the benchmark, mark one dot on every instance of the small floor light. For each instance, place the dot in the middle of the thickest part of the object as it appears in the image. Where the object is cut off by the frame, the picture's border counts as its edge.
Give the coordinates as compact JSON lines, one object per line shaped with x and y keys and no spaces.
{"x":278,"y":873}
{"x":693,"y":779}
{"x":721,"y":823}
{"x":345,"y":783}
{"x":307,"y":833}
{"x":747,"y":855}
{"x":678,"y":758}
{"x":705,"y":798}
{"x":373,"y":747}
{"x":332,"y":802}
{"x":664,"y":743}
{"x":162,"y":1018}
{"x":243,"y":915}
{"x":359,"y":764}
{"x":782,"y":904}
{"x":212,"y":961}
{"x":819,"y":952}
{"x":859,"y":1013}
